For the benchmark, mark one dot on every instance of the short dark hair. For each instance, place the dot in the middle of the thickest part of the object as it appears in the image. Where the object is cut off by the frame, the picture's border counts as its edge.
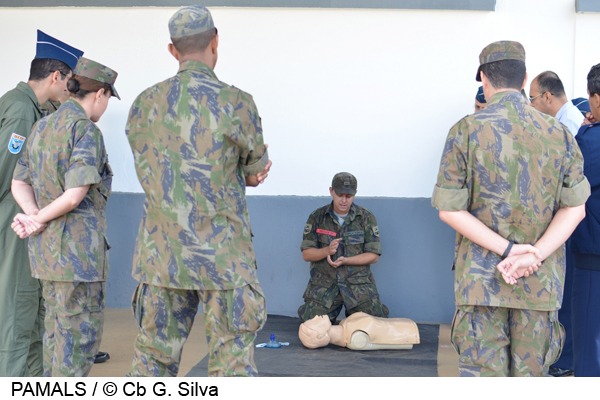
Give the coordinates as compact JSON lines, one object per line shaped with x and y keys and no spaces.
{"x":593,"y":80}
{"x":41,"y":68}
{"x":193,"y":43}
{"x":505,"y":74}
{"x":549,"y":81}
{"x":80,"y":86}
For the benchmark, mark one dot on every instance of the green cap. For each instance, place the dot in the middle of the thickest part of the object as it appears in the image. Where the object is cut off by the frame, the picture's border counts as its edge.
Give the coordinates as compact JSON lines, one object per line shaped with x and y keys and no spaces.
{"x":344,"y":183}
{"x":190,"y":20}
{"x":98,"y":72}
{"x":498,"y":51}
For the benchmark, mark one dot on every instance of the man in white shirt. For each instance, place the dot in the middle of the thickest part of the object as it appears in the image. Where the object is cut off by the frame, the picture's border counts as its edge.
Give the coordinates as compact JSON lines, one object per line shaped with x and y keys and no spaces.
{"x":547,"y":94}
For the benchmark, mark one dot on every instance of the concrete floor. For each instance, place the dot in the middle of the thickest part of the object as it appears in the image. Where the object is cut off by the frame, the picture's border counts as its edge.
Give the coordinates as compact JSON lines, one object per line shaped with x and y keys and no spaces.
{"x":120,"y":332}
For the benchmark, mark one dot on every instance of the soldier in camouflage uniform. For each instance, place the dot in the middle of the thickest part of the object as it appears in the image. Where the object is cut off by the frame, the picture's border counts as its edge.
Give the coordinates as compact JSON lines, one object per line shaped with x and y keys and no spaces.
{"x":509,"y":177}
{"x":197,"y":143}
{"x":341,"y":241}
{"x":65,"y":172}
{"x":21,"y":305}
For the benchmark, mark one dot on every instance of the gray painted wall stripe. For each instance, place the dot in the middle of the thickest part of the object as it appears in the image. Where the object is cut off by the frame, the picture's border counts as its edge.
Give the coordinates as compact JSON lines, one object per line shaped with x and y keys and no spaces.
{"x":414,"y":274}
{"x":587,"y":6}
{"x":473,"y":5}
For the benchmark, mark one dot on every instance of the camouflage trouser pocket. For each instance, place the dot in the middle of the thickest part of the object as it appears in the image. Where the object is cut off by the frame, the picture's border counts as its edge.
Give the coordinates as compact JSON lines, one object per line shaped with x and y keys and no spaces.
{"x":321,"y":290}
{"x":557,"y":339}
{"x":247,"y":308}
{"x":136,"y":303}
{"x":462,"y":330}
{"x":455,"y":322}
{"x":359,"y":291}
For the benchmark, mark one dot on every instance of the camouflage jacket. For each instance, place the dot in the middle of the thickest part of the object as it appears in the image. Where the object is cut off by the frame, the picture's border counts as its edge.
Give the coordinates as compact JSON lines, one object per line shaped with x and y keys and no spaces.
{"x":66,"y":150}
{"x":360,"y":234}
{"x":194,"y":139}
{"x":511,"y":167}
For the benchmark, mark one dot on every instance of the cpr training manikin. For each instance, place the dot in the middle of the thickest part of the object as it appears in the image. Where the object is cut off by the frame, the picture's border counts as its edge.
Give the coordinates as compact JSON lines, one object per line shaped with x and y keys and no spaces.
{"x":360,"y":331}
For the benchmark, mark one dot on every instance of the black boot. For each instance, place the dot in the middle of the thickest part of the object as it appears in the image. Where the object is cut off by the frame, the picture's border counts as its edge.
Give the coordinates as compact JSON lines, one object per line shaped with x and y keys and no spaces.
{"x":101,"y":357}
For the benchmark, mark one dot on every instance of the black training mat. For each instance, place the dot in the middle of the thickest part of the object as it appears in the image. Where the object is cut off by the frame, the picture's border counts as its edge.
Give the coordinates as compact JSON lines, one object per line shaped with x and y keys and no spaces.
{"x":336,"y":361}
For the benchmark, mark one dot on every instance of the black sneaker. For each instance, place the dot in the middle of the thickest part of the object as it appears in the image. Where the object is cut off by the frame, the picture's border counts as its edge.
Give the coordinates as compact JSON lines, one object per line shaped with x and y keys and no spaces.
{"x":559,"y":372}
{"x":101,"y":357}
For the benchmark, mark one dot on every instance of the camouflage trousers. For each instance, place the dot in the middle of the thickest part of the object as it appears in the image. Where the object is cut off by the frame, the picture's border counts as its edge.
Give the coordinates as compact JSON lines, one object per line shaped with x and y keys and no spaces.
{"x":165,"y":317}
{"x":74,"y":324}
{"x":497,"y":341}
{"x":327,"y":298}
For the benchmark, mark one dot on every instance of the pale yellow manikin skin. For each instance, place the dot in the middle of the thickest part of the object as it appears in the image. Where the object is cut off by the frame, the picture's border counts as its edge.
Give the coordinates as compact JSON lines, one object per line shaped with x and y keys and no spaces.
{"x":360,"y":331}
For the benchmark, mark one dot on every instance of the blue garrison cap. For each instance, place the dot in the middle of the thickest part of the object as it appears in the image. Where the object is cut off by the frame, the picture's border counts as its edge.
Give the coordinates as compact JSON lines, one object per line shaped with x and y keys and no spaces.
{"x":480,"y":97}
{"x":582,"y":104}
{"x":49,"y":47}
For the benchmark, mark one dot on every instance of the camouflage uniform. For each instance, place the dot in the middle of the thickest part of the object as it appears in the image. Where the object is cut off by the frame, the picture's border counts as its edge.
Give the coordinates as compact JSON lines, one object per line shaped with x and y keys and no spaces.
{"x":512,"y":168}
{"x":351,"y":286}
{"x":194,"y":139}
{"x":66,"y":150}
{"x":21,"y":305}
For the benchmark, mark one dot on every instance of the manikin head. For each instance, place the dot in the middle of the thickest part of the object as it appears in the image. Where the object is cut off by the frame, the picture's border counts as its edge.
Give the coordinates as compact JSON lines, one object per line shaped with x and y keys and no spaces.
{"x":314,"y":332}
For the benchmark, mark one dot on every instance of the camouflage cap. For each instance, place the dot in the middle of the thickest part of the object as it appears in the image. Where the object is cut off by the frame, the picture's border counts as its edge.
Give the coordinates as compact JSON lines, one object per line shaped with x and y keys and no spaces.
{"x":498,"y":51}
{"x":344,"y":183}
{"x":190,"y":20}
{"x":98,"y":72}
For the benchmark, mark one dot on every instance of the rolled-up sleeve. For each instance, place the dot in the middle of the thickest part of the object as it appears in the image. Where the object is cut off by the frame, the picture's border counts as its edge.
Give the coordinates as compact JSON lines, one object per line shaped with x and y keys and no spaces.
{"x":83,"y":164}
{"x":576,"y":188}
{"x":254,"y":155}
{"x":21,"y":172}
{"x":257,"y":166}
{"x":576,"y":195}
{"x":450,"y":199}
{"x":451,"y":192}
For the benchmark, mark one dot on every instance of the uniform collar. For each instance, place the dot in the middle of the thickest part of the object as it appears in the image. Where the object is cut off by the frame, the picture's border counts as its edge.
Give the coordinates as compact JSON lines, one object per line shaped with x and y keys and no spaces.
{"x":27,"y":90}
{"x":508,"y":95}
{"x":73,"y":104}
{"x":351,"y":214}
{"x":192,"y":65}
{"x":585,"y":128}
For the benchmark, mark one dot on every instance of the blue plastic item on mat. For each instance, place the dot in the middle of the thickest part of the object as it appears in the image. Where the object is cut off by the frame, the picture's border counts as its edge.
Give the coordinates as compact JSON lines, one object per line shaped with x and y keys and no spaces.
{"x":273,"y":343}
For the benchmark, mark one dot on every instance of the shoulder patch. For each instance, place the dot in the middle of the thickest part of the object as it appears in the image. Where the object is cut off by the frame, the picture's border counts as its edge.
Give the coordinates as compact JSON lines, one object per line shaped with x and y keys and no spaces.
{"x":15,"y":144}
{"x":307,"y":229}
{"x":376,"y":231}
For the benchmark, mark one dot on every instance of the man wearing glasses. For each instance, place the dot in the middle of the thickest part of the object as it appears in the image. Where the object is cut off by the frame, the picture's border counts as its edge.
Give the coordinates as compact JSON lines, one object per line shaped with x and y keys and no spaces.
{"x":547,"y":94}
{"x":511,"y":184}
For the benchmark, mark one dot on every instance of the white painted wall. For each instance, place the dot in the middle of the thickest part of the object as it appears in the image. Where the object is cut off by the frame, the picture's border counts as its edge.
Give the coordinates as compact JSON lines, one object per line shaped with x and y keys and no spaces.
{"x":373,"y":92}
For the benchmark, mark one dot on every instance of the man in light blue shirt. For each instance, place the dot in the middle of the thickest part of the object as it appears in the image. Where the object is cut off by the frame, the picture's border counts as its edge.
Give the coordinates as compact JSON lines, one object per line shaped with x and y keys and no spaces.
{"x":547,"y":94}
